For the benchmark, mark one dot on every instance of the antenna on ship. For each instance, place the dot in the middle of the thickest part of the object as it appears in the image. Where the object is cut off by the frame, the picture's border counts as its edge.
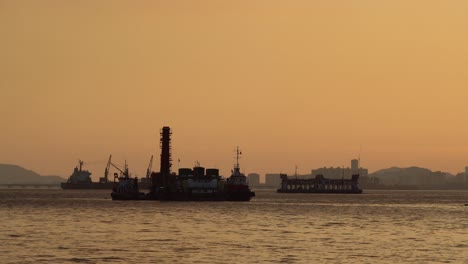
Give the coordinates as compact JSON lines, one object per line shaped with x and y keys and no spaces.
{"x":238,"y":153}
{"x":126,"y":174}
{"x":81,"y":163}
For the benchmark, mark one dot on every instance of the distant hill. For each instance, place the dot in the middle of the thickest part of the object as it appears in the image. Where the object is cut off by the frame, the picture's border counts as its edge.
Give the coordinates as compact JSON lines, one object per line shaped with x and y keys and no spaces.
{"x":409,"y":176}
{"x":14,"y":174}
{"x":397,"y":170}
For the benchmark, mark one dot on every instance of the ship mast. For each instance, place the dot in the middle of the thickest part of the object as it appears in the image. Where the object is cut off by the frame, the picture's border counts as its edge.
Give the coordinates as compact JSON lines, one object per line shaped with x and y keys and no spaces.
{"x":237,"y":157}
{"x":126,"y":173}
{"x":81,"y":163}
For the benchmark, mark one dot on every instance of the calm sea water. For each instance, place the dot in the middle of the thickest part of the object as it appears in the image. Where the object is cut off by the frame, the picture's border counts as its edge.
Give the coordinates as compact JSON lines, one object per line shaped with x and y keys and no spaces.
{"x":67,"y":226}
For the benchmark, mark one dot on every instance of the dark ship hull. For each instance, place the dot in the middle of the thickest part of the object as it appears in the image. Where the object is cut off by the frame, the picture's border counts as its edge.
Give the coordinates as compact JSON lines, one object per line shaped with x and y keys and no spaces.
{"x":162,"y":195}
{"x":129,"y":196}
{"x":240,"y":196}
{"x":236,"y":192}
{"x":185,"y":196}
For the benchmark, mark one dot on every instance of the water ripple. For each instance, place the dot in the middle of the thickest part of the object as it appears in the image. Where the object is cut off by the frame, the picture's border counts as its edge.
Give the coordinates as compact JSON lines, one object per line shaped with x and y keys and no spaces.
{"x":56,"y":226}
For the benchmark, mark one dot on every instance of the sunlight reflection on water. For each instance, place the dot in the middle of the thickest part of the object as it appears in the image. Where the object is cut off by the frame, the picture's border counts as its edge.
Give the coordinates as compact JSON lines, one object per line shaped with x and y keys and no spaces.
{"x":67,"y":226}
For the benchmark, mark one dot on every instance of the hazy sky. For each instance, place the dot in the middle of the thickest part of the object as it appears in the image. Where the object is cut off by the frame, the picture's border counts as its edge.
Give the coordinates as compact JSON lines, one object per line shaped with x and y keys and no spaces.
{"x":303,"y":83}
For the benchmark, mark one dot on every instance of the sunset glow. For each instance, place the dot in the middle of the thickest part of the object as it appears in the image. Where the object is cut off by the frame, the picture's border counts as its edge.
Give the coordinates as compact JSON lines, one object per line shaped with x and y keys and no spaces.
{"x":307,"y":83}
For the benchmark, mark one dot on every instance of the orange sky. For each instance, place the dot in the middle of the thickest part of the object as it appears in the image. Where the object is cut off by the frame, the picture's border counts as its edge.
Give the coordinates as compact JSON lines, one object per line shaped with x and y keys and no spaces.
{"x":301,"y":83}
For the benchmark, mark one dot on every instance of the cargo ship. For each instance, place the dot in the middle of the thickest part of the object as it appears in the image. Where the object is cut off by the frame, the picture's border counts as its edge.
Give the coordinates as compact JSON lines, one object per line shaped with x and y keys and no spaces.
{"x":197,"y":184}
{"x":81,"y":179}
{"x":319,"y":184}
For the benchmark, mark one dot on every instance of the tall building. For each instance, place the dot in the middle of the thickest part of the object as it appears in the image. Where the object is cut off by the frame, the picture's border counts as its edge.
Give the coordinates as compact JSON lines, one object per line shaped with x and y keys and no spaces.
{"x":272,"y":180}
{"x":354,"y":166}
{"x":466,"y":174}
{"x":254,"y":179}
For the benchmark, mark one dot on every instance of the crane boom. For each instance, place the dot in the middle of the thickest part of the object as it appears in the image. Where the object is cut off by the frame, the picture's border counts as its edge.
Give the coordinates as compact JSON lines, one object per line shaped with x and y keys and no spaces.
{"x":148,"y":171}
{"x":117,"y":168}
{"x":124,"y":172}
{"x":106,"y":172}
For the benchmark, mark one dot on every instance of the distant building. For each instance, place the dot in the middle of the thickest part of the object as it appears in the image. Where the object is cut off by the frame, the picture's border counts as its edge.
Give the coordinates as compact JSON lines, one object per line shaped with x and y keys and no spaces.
{"x":254,"y":179}
{"x":338,"y":173}
{"x":302,"y":176}
{"x":272,"y":180}
{"x":354,"y":165}
{"x":413,"y":176}
{"x":461,"y":178}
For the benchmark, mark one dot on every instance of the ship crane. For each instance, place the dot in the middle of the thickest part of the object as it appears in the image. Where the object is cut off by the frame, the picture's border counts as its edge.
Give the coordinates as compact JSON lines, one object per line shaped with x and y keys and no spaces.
{"x":106,"y":172}
{"x":148,"y":171}
{"x":123,"y":172}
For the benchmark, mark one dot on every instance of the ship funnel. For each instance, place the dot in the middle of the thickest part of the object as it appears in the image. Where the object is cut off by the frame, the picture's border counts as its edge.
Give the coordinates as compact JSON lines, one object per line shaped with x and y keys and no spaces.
{"x":166,"y":151}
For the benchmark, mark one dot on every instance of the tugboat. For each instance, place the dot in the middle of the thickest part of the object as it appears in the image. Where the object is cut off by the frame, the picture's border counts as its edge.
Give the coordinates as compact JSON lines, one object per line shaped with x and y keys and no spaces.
{"x":126,"y":188}
{"x":237,"y":187}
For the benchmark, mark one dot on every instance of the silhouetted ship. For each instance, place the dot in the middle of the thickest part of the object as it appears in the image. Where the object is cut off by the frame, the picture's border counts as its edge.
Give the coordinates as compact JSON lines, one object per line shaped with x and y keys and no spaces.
{"x":81,"y":179}
{"x":197,"y":184}
{"x":319,"y":184}
{"x":237,"y":187}
{"x":127,"y":189}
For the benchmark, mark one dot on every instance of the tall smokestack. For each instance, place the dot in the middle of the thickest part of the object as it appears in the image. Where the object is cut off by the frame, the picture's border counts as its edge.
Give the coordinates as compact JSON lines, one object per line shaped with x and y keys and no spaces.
{"x":166,"y":152}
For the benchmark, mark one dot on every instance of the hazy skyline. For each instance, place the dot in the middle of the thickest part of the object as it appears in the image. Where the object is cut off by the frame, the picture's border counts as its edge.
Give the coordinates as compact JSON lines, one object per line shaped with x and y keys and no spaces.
{"x":303,"y":83}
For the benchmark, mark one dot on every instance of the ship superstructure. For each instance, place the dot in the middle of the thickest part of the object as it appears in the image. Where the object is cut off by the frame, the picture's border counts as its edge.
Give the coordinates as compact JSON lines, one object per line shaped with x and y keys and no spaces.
{"x":79,"y":175}
{"x":190,"y":184}
{"x":319,"y":184}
